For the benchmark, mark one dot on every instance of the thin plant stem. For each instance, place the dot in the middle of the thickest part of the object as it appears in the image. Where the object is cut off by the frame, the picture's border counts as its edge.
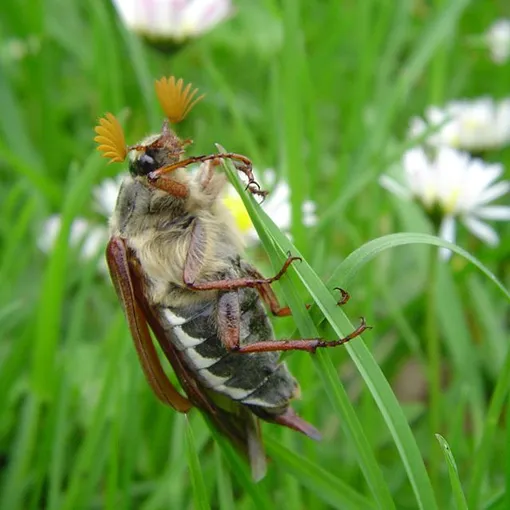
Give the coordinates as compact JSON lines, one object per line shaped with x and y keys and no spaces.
{"x":507,"y":464}
{"x":482,"y":456}
{"x":434,"y":367}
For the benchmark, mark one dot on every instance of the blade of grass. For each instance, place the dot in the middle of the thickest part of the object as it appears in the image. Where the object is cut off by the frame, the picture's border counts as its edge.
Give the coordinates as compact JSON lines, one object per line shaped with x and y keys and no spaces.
{"x":336,"y":392}
{"x":367,"y":366}
{"x":13,"y":125}
{"x":229,"y":95}
{"x":458,"y":493}
{"x":195,"y":472}
{"x":292,"y":71}
{"x":328,"y":487}
{"x":507,"y":451}
{"x":223,"y":482}
{"x":497,"y":502}
{"x":436,"y":31}
{"x":35,"y":176}
{"x":458,"y":341}
{"x":89,"y":461}
{"x":240,"y":471}
{"x":483,"y":452}
{"x":346,"y":271}
{"x":15,"y":478}
{"x":52,"y":290}
{"x":488,"y":309}
{"x":138,"y":60}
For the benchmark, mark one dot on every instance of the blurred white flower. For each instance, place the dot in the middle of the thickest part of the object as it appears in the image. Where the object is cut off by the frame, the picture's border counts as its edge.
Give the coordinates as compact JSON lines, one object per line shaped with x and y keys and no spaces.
{"x":276,"y":205}
{"x":15,"y":49}
{"x":105,"y":195}
{"x":497,"y":38}
{"x":451,"y":186}
{"x":87,"y":238}
{"x":172,"y":19}
{"x":472,"y":125}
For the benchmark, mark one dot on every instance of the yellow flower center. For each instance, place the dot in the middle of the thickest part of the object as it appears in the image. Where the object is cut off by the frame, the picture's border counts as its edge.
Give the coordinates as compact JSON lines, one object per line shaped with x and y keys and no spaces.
{"x":236,"y":207}
{"x":472,"y":124}
{"x":429,"y":195}
{"x":449,"y":205}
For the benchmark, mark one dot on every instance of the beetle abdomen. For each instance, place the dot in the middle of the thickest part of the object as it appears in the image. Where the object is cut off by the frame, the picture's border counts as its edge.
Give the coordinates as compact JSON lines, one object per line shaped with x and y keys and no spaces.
{"x":254,"y":379}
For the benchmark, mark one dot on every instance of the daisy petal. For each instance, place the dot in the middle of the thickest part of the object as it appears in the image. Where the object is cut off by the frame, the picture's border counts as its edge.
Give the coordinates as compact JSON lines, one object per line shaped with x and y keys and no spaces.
{"x":447,"y":232}
{"x":481,"y":230}
{"x":447,"y":229}
{"x":394,"y":187}
{"x":94,"y":242}
{"x":48,"y":233}
{"x":494,"y":192}
{"x":173,"y":19}
{"x":471,"y":124}
{"x":105,"y":195}
{"x":493,"y":212}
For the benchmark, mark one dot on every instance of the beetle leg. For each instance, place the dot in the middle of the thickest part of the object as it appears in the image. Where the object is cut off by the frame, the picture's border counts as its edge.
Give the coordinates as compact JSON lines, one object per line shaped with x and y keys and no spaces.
{"x":229,"y":320}
{"x":245,"y":167}
{"x":229,"y":327}
{"x":344,"y":296}
{"x":230,"y":284}
{"x":271,"y":299}
{"x":206,"y":173}
{"x":267,"y":293}
{"x":172,"y":187}
{"x":304,"y":344}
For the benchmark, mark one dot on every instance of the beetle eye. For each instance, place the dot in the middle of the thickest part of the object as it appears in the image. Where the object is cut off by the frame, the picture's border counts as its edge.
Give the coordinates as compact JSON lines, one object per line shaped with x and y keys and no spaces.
{"x":145,"y":164}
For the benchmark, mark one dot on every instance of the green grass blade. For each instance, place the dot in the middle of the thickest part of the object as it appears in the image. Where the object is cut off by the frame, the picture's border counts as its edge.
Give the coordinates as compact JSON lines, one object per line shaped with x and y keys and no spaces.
{"x":346,"y":271}
{"x":52,"y":292}
{"x":439,"y":29}
{"x":328,"y":487}
{"x":240,"y":470}
{"x":458,"y":493}
{"x":488,"y":309}
{"x":200,"y":498}
{"x":327,"y":372}
{"x":14,"y":480}
{"x":480,"y":462}
{"x":224,"y":483}
{"x":499,"y":501}
{"x":13,"y":127}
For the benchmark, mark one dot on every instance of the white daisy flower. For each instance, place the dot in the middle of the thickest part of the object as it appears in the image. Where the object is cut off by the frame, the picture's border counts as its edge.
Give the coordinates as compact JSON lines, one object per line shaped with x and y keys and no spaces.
{"x":174,"y":20}
{"x":276,"y":205}
{"x":452,"y":186}
{"x":89,"y":239}
{"x":497,"y":39}
{"x":472,"y":125}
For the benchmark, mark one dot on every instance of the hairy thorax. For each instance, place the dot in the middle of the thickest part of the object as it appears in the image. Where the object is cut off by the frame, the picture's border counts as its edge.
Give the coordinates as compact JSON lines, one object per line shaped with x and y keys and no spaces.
{"x":159,"y":228}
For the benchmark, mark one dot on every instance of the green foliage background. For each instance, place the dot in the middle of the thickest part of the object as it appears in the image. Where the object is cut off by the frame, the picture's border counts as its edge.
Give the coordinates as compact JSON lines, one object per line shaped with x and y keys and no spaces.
{"x":322,"y":92}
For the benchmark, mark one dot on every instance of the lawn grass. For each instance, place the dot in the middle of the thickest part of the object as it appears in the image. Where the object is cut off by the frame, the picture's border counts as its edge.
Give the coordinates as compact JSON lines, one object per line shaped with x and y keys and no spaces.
{"x":322,"y":92}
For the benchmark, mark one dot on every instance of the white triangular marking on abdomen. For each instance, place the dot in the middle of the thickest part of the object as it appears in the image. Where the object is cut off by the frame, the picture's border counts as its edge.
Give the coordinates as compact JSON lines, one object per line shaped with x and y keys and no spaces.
{"x":212,"y":381}
{"x":172,"y":318}
{"x":198,"y":361}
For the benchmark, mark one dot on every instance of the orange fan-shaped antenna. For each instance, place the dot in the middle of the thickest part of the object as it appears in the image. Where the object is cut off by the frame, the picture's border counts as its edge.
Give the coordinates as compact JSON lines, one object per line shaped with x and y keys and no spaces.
{"x":175,"y":101}
{"x":110,"y":138}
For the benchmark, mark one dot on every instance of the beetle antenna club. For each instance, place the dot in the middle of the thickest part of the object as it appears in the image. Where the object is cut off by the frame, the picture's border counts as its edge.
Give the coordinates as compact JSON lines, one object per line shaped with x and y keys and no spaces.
{"x":175,"y":101}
